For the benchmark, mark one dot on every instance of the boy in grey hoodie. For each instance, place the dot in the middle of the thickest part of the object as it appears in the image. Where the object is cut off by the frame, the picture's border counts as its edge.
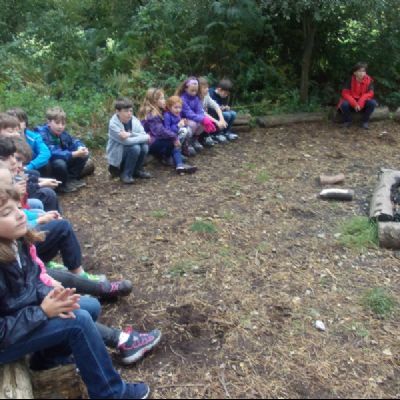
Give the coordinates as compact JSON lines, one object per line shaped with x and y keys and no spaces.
{"x":128,"y":144}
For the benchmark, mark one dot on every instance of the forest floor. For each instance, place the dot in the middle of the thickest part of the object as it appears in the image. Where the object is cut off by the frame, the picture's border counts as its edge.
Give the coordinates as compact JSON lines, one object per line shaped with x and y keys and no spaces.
{"x":237,"y":304}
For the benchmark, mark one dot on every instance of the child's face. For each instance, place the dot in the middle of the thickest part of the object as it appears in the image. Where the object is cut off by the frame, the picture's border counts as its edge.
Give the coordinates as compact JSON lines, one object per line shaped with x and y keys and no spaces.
{"x":5,"y":177}
{"x":223,"y":93}
{"x":360,"y":73}
{"x":22,"y":126}
{"x":176,"y":109}
{"x":11,"y":164}
{"x":161,"y":101}
{"x":12,"y":221}
{"x":20,"y":159}
{"x":56,"y":127}
{"x":192,"y":90}
{"x":10,"y":132}
{"x":125,"y":115}
{"x":204,"y":90}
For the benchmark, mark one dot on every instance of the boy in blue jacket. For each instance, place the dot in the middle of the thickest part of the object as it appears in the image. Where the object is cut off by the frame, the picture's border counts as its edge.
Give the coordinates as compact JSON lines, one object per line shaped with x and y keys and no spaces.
{"x":68,"y":154}
{"x":40,"y":152}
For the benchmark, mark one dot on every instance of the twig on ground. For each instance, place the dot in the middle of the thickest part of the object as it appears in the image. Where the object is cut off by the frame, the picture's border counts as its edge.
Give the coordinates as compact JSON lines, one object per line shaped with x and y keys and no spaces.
{"x":223,"y":383}
{"x":177,"y":354}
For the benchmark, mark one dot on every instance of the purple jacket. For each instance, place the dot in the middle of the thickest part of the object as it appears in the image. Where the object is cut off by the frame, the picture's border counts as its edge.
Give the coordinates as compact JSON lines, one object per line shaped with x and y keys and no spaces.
{"x":192,"y":108}
{"x":155,"y":128}
{"x":171,"y":122}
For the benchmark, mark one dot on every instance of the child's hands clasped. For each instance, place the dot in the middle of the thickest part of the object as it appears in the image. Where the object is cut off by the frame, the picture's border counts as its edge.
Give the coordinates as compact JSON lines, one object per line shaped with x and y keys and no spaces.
{"x":124,"y":135}
{"x":48,"y":217}
{"x":82,"y":152}
{"x":61,"y":303}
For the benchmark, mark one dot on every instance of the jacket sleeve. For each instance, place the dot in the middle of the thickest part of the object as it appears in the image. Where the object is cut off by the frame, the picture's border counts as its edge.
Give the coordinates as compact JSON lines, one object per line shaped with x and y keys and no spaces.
{"x":141,"y":136}
{"x":158,"y":131}
{"x":168,"y":123}
{"x":367,"y":96}
{"x":43,"y":154}
{"x":346,"y":94}
{"x":194,"y":115}
{"x":33,"y":184}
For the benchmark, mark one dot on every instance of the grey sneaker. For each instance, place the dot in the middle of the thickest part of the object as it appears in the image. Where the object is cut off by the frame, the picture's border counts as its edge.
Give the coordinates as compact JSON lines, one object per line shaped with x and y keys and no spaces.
{"x":67,"y":188}
{"x":208,"y":142}
{"x":365,"y":125}
{"x":127,"y":180}
{"x":221,"y":138}
{"x":197,"y":146}
{"x":231,"y":136}
{"x":76,"y":183}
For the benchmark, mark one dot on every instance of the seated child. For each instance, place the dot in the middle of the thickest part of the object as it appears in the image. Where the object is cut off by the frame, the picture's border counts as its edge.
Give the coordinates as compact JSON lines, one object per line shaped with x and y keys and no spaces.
{"x":9,"y":126}
{"x":68,"y":154}
{"x":358,"y":96}
{"x":53,"y":323}
{"x":192,"y":109}
{"x":220,"y":95}
{"x":40,"y":152}
{"x":164,"y":144}
{"x":128,"y":144}
{"x":211,"y":106}
{"x":174,"y":122}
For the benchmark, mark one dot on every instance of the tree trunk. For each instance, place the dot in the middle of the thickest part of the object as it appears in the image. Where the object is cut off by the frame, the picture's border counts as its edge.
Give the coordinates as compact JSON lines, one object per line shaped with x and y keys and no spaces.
{"x":15,"y":381}
{"x":309,"y":32}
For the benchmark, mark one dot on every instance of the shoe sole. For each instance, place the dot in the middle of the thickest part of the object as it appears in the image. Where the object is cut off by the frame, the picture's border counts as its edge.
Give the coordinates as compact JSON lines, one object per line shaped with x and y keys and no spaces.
{"x":138,"y":356}
{"x":146,"y":396}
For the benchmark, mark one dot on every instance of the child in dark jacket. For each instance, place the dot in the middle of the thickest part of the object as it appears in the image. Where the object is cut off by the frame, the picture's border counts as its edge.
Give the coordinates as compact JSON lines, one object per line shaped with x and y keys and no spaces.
{"x":174,"y":122}
{"x":51,"y":323}
{"x":68,"y":154}
{"x":164,"y":143}
{"x":358,"y":96}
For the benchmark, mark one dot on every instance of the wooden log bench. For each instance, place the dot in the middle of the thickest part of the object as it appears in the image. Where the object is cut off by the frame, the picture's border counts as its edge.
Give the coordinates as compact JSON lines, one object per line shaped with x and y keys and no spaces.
{"x":242,"y":123}
{"x":271,"y":121}
{"x":382,"y":210}
{"x":397,"y":115}
{"x":17,"y":381}
{"x":380,"y":114}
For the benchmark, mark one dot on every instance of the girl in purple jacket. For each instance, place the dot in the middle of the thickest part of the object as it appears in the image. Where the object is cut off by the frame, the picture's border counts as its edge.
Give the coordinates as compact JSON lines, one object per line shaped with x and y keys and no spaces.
{"x":164,"y":143}
{"x":192,"y":109}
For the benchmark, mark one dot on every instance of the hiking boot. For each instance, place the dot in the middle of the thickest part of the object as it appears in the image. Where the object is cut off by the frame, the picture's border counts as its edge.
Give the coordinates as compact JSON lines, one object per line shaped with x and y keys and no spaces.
{"x":197,"y":146}
{"x":67,"y":188}
{"x":220,"y":138}
{"x":127,"y":180}
{"x":138,"y":345}
{"x":77,"y":183}
{"x":138,"y":390}
{"x":208,"y":142}
{"x":186,"y":169}
{"x":56,"y":266}
{"x":114,"y":171}
{"x":92,"y":277}
{"x":143,"y":175}
{"x":116,"y":289}
{"x":365,"y":126}
{"x":231,"y":136}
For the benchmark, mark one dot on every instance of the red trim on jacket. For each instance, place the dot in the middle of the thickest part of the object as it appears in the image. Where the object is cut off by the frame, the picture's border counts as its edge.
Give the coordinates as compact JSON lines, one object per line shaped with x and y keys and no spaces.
{"x":358,"y":93}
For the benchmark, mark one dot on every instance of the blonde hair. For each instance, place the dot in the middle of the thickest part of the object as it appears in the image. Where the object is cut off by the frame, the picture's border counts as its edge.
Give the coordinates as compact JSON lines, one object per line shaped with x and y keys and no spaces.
{"x":7,"y":253}
{"x":56,"y":114}
{"x":172,"y":101}
{"x":184,"y":85}
{"x":150,"y":106}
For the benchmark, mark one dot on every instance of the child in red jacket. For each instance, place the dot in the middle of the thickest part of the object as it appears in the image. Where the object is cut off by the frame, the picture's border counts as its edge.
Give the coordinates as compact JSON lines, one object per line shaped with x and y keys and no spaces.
{"x":358,"y":95}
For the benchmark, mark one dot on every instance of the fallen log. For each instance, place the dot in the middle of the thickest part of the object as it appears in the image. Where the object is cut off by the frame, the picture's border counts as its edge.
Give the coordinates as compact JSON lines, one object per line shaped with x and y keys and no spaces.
{"x":397,"y":115}
{"x":241,"y":128}
{"x":59,"y":383}
{"x":15,"y":381}
{"x":389,"y":235}
{"x":381,"y":207}
{"x":288,"y":119}
{"x":242,"y":119}
{"x":380,"y":114}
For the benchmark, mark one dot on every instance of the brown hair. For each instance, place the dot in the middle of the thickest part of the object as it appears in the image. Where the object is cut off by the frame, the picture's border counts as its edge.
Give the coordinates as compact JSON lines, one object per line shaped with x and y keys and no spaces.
{"x":123,"y":103}
{"x":202,"y":83}
{"x":23,"y":148}
{"x":19,"y":113}
{"x":173,"y":100}
{"x":8,"y":121}
{"x":184,"y":85}
{"x":149,"y":106}
{"x":7,"y":253}
{"x":56,"y":114}
{"x":225,"y":84}
{"x":359,"y":65}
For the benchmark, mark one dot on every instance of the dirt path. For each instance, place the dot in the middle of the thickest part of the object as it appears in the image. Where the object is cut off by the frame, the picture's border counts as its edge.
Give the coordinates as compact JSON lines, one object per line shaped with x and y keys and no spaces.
{"x":237,"y":304}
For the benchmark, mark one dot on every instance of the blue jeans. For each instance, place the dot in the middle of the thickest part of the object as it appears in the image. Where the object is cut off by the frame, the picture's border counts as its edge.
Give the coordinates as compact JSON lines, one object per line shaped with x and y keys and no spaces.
{"x":229,"y":117}
{"x":165,"y":148}
{"x":35,"y":204}
{"x":367,"y":111}
{"x":81,"y":337}
{"x":60,"y":237}
{"x":64,"y":170}
{"x":133,"y":159}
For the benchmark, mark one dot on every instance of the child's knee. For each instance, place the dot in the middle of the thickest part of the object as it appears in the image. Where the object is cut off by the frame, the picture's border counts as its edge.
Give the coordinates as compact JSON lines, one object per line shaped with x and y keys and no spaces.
{"x":91,"y":305}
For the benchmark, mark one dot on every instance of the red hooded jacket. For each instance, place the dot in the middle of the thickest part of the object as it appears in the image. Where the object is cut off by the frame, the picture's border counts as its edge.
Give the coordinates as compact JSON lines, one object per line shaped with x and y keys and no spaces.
{"x":358,"y":93}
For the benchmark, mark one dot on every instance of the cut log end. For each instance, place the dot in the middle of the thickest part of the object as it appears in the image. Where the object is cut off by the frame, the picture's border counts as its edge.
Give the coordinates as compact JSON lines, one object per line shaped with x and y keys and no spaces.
{"x":389,"y":235}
